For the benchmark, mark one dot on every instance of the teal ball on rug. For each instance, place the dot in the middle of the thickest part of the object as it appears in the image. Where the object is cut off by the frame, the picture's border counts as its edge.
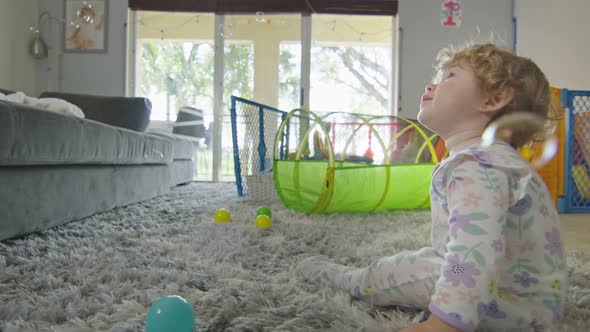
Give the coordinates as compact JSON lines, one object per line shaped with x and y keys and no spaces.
{"x":170,"y":313}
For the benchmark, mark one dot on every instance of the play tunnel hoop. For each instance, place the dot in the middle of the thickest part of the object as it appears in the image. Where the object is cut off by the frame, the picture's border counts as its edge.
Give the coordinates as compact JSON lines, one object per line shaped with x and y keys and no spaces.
{"x":325,"y":195}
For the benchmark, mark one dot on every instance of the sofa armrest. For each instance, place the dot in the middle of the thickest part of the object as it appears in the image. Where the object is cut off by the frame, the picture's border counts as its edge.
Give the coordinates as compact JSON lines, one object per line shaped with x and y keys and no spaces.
{"x":125,"y":112}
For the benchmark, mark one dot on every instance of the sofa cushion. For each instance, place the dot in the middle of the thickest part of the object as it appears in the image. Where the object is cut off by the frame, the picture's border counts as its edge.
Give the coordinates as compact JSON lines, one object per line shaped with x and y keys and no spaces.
{"x":30,"y":136}
{"x":184,"y":148}
{"x":48,"y":104}
{"x":125,"y":112}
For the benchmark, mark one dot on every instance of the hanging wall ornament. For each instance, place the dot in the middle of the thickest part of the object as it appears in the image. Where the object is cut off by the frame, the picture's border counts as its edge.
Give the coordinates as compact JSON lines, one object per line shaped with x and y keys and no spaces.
{"x":451,"y":14}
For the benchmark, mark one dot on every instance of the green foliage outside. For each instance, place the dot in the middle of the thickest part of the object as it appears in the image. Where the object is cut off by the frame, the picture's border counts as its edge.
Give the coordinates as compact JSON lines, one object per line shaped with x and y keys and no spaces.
{"x":185,"y":70}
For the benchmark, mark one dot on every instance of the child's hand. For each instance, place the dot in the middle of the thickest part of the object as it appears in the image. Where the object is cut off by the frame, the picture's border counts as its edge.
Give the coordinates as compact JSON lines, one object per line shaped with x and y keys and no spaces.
{"x":432,"y":324}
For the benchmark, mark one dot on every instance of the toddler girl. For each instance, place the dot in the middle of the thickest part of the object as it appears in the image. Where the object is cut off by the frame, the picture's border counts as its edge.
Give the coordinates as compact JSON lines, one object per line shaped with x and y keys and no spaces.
{"x":497,"y":259}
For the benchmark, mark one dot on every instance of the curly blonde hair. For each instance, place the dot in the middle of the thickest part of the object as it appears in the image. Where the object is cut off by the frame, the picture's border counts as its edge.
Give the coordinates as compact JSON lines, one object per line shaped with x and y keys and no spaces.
{"x":501,"y":71}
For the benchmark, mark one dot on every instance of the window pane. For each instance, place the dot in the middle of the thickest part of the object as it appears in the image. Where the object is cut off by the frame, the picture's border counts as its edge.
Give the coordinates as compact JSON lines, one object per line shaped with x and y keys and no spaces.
{"x":351,"y":64}
{"x":174,"y":69}
{"x":174,"y":74}
{"x":262,"y":64}
{"x":238,"y":73}
{"x":288,"y":37}
{"x":174,"y":62}
{"x":289,"y":75}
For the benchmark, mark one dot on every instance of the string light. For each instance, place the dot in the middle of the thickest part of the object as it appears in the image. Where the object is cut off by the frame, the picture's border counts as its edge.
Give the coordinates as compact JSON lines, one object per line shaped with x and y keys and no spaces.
{"x":228,"y":30}
{"x":364,"y":33}
{"x":177,"y":27}
{"x":225,"y":31}
{"x":361,"y":34}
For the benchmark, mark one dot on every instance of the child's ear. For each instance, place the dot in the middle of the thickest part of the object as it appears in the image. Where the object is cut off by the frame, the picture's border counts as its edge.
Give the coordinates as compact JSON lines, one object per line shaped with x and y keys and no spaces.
{"x":497,"y":101}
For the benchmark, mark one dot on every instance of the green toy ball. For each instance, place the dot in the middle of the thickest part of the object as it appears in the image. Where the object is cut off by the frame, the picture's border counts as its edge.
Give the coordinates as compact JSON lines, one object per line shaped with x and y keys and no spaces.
{"x":222,"y":215}
{"x":170,"y":313}
{"x":264,"y":210}
{"x":263,"y":221}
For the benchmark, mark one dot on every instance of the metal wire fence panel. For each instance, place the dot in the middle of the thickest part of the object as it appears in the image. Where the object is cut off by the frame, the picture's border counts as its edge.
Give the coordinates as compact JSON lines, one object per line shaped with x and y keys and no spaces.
{"x":254,"y":129}
{"x":577,"y":172}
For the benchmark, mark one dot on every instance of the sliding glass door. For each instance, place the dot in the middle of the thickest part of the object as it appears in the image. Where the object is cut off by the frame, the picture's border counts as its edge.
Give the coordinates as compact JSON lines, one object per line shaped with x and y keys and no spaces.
{"x":174,"y":54}
{"x":351,"y":58}
{"x":177,"y":65}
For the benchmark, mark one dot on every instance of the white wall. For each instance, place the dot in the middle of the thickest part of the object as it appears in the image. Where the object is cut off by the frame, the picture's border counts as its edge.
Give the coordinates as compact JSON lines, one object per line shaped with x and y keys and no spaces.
{"x":101,"y":74}
{"x":17,"y":69}
{"x":422,"y":36}
{"x":554,"y":34}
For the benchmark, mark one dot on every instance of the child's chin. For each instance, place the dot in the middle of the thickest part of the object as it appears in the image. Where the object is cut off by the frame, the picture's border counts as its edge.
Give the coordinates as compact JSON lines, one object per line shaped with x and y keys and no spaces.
{"x":423,"y":118}
{"x":427,"y":121}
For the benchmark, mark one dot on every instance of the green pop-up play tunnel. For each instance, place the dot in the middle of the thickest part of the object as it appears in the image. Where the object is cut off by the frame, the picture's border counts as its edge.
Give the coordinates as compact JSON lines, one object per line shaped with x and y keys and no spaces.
{"x":309,"y":177}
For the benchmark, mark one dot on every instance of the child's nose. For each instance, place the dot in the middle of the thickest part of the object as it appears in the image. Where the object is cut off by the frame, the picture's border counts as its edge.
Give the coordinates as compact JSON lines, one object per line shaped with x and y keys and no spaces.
{"x":429,"y":87}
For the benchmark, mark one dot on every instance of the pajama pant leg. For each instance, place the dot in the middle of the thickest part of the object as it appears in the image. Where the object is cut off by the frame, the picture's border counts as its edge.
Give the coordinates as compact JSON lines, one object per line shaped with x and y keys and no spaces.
{"x":406,"y":279}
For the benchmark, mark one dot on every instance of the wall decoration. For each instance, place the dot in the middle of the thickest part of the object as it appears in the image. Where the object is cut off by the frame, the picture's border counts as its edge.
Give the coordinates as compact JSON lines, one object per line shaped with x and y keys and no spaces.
{"x":451,"y":14}
{"x":86,"y":27}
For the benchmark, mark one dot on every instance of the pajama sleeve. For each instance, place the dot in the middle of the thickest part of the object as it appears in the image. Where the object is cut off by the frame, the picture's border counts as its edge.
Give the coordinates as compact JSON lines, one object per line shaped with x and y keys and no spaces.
{"x":477,"y":199}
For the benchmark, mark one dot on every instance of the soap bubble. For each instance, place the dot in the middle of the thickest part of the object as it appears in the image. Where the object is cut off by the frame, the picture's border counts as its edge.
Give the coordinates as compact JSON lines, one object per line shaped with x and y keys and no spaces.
{"x":516,"y":125}
{"x":260,"y":17}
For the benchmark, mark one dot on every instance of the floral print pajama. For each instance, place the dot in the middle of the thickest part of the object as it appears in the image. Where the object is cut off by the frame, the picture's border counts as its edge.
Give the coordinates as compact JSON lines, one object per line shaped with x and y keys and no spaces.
{"x":496,"y":260}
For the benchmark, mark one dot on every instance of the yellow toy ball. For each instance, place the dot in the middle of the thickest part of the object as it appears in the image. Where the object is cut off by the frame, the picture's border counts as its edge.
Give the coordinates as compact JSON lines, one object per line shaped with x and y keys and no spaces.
{"x":222,"y":215}
{"x":263,"y":221}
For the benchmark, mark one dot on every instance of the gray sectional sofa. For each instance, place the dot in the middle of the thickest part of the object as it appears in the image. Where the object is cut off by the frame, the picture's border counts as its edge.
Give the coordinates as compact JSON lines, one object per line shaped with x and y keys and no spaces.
{"x":55,"y":169}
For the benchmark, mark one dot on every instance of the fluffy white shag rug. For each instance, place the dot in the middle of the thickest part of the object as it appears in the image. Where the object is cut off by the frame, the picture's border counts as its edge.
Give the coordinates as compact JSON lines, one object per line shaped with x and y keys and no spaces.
{"x":102,"y":273}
